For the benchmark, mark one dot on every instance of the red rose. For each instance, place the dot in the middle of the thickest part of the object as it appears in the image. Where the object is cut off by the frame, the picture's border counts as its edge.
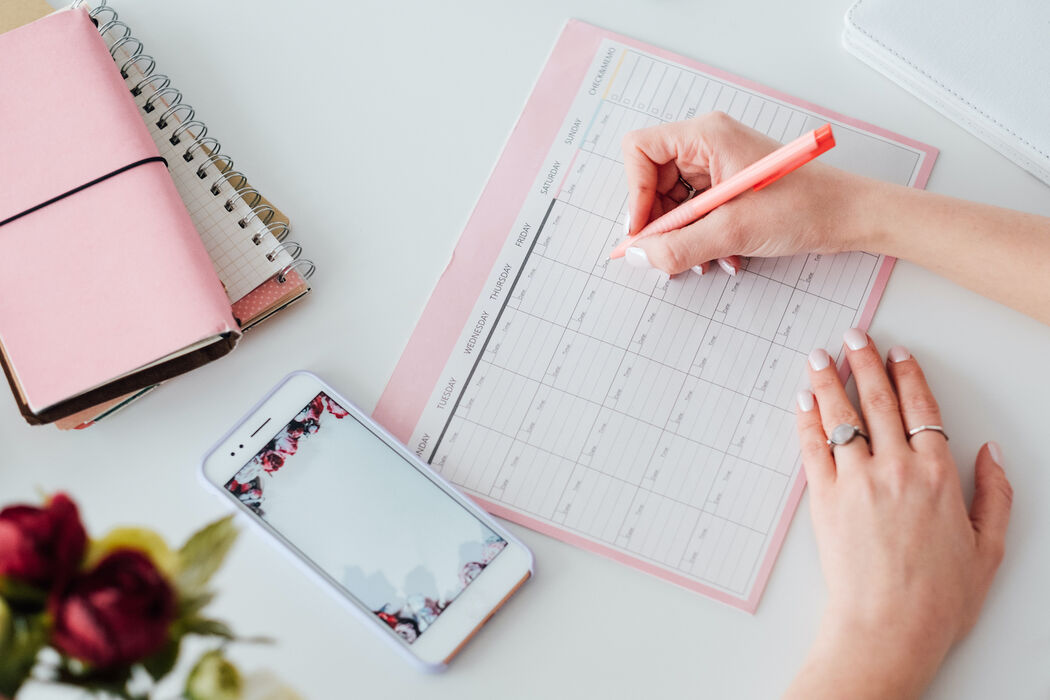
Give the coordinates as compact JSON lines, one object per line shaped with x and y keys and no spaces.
{"x":334,"y":408}
{"x":272,"y":461}
{"x":116,"y":615}
{"x":41,"y":546}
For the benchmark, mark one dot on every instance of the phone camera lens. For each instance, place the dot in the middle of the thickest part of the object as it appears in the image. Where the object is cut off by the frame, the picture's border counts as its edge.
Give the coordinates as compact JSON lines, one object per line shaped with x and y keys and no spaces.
{"x":232,"y":454}
{"x":240,"y":446}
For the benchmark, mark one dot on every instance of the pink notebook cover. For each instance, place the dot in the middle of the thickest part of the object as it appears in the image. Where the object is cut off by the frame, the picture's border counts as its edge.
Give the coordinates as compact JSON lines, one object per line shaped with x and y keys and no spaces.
{"x":435,"y":336}
{"x":115,"y":276}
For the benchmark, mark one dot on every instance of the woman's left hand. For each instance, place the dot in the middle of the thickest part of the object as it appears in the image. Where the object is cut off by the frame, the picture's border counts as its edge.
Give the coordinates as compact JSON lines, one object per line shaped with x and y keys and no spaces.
{"x":907,"y":564}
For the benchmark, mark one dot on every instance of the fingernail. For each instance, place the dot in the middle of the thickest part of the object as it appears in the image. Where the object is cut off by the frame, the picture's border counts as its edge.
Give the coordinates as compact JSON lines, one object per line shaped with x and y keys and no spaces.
{"x":819,"y":359}
{"x":724,"y":264}
{"x":637,"y":257}
{"x":898,"y":353}
{"x":855,"y":338}
{"x":698,"y":269}
{"x":995,"y":452}
{"x":627,"y":221}
{"x":805,"y":400}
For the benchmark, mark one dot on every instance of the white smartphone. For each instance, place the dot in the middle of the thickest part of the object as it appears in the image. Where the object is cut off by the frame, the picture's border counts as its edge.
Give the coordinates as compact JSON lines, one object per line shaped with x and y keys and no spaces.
{"x":417,"y":560}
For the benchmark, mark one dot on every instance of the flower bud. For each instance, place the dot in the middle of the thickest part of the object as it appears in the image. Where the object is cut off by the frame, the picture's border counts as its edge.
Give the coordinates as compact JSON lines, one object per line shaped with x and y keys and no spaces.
{"x":41,"y":547}
{"x":214,"y":678}
{"x":114,"y":615}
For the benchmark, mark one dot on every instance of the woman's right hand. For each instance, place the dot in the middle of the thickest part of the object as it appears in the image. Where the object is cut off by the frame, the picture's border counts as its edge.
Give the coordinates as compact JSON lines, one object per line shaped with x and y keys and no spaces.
{"x":815,"y":209}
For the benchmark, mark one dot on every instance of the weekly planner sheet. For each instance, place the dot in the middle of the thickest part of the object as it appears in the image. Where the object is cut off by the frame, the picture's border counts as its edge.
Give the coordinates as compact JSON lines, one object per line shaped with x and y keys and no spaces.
{"x":645,"y":418}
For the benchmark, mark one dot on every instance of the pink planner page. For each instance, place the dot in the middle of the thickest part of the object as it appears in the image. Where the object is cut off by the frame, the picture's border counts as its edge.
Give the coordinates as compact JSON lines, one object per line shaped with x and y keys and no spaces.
{"x":646,"y":419}
{"x":113,"y":277}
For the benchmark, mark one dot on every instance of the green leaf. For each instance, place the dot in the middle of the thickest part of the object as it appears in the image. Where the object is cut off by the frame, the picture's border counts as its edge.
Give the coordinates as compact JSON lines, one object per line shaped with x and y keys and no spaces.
{"x":6,"y":627}
{"x":22,"y":597}
{"x":20,"y":642}
{"x":161,"y":664}
{"x":203,"y":554}
{"x":191,"y":606}
{"x":207,"y":628}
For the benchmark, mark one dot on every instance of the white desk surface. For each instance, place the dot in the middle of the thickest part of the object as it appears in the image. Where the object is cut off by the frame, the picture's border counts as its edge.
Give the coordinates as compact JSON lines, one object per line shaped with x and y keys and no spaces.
{"x":375,"y":126}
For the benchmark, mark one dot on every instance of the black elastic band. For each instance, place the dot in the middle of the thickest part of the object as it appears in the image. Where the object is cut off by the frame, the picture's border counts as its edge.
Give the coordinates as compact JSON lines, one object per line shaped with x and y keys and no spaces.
{"x":118,"y":171}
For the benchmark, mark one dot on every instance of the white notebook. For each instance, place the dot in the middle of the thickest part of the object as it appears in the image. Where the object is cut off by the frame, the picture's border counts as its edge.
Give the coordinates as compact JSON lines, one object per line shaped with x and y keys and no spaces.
{"x":985,"y":65}
{"x":242,"y":231}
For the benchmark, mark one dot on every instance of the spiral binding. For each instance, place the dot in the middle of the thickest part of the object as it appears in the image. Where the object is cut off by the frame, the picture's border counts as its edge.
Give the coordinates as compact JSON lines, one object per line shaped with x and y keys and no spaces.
{"x":291,"y":247}
{"x":108,"y":21}
{"x":135,"y":59}
{"x":310,"y":268}
{"x":243,"y":196}
{"x":279,"y":235}
{"x":164,"y":82}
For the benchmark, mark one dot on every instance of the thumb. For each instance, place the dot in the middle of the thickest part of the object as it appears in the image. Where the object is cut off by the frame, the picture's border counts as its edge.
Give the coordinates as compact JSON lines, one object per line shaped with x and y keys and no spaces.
{"x":676,"y":251}
{"x":990,"y":511}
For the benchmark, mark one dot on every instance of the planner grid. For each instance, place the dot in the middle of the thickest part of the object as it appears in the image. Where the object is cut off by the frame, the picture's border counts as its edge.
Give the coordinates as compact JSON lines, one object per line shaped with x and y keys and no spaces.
{"x":651,"y":416}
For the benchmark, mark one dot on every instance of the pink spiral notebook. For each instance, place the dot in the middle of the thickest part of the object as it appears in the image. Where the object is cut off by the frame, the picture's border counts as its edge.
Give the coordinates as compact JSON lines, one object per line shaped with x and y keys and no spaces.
{"x":645,"y":419}
{"x":113,"y":289}
{"x":243,"y":233}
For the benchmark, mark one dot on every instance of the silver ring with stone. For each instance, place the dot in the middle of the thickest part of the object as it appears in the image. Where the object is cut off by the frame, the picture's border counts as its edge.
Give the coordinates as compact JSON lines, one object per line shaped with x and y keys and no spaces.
{"x":919,"y":428}
{"x":843,"y":434}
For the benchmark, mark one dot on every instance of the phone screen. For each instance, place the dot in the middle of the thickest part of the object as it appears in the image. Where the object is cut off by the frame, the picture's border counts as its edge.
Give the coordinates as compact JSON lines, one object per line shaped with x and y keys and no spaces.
{"x":366,"y":516}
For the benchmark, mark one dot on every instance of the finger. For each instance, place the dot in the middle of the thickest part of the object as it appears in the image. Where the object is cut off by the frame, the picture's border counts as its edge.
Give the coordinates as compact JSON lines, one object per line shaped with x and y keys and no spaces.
{"x":878,"y":401}
{"x":644,"y":151}
{"x":661,"y":205}
{"x":667,"y":177}
{"x":992,"y":499}
{"x":699,"y":242}
{"x":699,"y":180}
{"x":835,"y":406}
{"x":731,"y":265}
{"x":816,"y":457}
{"x":701,"y":269}
{"x":917,"y":405}
{"x":641,"y":175}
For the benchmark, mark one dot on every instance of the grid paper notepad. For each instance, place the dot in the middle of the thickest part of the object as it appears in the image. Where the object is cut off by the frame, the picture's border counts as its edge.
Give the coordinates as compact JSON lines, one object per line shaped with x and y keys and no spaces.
{"x":650,"y":420}
{"x":242,"y":264}
{"x":244,"y":257}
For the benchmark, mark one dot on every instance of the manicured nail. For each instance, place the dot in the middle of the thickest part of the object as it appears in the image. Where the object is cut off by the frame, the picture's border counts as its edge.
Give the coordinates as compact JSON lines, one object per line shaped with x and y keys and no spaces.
{"x":637,"y":257}
{"x":898,"y":353}
{"x":627,"y":221}
{"x":855,"y":338}
{"x":995,"y":452}
{"x":724,"y":264}
{"x":805,"y":400}
{"x":819,"y":359}
{"x":698,"y":269}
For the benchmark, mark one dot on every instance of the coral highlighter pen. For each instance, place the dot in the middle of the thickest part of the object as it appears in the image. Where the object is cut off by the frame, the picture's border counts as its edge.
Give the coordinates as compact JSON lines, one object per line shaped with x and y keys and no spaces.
{"x":755,"y":176}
